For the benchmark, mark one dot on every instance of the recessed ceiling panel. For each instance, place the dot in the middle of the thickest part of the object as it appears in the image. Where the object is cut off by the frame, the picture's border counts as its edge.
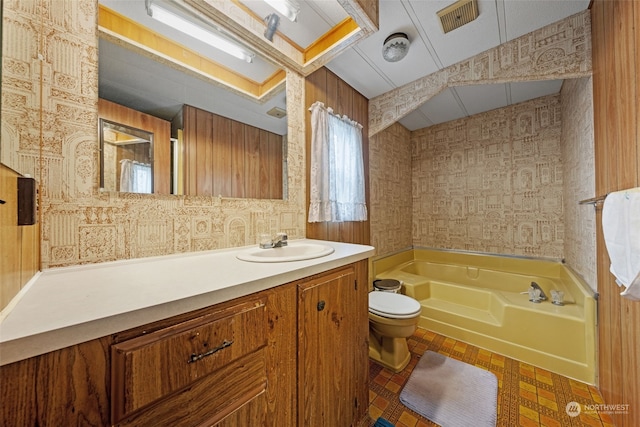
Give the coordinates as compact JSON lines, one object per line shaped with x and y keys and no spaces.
{"x":442,"y":108}
{"x":523,"y":17}
{"x":415,"y":120}
{"x":524,"y":91}
{"x":369,"y":81}
{"x":481,"y":98}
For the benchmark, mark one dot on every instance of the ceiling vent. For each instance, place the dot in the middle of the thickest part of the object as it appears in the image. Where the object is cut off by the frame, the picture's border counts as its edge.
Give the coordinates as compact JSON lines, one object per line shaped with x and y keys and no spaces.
{"x":458,"y":14}
{"x":277,"y":112}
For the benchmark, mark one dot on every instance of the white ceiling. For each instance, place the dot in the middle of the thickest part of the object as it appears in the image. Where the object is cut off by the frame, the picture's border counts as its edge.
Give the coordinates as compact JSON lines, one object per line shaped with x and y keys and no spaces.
{"x":361,"y":66}
{"x":499,"y":21}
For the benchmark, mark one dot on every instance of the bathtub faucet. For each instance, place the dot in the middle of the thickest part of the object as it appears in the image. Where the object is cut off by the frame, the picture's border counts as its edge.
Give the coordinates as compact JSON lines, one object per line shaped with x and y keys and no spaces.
{"x":542,"y":296}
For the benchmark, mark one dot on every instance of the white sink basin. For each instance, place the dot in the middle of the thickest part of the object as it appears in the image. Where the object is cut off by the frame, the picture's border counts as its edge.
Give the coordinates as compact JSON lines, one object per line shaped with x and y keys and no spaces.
{"x":294,"y":251}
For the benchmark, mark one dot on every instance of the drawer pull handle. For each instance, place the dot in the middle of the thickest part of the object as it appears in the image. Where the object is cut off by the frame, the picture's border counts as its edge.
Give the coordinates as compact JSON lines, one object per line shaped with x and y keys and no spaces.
{"x":196,"y":357}
{"x":321,"y":305}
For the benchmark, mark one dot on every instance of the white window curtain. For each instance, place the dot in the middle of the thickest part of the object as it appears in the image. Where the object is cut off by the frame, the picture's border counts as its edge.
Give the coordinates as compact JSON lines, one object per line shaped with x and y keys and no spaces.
{"x":337,"y":190}
{"x":135,"y":177}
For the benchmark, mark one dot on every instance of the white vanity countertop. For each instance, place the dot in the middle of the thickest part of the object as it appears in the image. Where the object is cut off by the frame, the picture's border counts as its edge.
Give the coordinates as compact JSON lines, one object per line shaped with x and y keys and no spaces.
{"x":66,"y":306}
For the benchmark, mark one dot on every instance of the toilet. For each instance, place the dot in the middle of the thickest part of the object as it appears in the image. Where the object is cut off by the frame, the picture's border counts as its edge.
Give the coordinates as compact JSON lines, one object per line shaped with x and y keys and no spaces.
{"x":393,"y":317}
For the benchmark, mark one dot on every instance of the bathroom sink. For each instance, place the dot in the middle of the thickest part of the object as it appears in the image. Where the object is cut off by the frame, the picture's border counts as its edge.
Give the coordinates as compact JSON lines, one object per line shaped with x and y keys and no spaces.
{"x":294,"y":251}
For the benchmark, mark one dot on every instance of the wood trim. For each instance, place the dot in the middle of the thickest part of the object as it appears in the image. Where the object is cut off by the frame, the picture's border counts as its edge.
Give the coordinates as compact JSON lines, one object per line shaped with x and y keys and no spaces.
{"x":273,"y":81}
{"x":332,"y":37}
{"x":627,"y":95}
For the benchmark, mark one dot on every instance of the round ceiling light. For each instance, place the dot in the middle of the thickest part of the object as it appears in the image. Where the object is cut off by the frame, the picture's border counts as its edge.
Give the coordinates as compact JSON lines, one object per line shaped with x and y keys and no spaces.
{"x":395,"y":47}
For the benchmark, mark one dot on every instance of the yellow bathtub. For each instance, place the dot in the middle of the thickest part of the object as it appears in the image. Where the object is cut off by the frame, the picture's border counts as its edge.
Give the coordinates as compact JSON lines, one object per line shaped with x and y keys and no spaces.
{"x":482,"y":300}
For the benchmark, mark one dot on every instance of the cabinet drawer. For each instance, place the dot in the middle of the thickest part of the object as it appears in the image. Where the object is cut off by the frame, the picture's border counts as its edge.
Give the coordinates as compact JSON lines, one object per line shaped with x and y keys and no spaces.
{"x":150,"y":367}
{"x":231,"y":393}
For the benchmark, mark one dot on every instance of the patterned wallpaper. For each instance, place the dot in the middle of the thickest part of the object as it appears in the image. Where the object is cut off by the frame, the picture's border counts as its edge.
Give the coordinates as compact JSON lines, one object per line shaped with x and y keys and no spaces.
{"x":53,"y":43}
{"x":492,"y":182}
{"x":390,"y":183}
{"x":579,"y":177}
{"x":82,"y":225}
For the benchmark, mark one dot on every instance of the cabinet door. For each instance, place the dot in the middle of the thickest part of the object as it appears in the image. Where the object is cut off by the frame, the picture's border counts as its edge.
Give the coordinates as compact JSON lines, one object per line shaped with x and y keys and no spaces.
{"x":332,"y":320}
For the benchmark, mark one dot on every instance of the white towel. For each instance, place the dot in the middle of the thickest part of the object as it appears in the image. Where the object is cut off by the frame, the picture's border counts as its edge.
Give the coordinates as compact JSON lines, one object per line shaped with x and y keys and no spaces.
{"x":633,"y":290}
{"x":621,"y":228}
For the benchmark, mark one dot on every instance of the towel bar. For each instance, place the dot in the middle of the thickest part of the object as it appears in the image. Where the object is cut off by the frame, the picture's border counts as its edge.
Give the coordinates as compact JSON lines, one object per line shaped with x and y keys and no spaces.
{"x":593,"y":200}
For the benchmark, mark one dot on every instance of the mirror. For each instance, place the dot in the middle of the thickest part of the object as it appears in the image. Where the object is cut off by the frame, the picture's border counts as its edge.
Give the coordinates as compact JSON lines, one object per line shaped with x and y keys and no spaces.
{"x":126,"y":161}
{"x":221,"y":154}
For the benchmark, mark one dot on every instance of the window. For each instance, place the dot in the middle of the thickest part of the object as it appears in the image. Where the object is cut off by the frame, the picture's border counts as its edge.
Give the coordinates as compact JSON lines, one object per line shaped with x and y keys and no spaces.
{"x":337,"y":190}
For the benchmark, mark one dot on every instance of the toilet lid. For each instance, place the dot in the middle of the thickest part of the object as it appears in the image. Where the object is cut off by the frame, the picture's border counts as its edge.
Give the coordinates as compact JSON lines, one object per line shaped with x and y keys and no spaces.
{"x":392,"y":305}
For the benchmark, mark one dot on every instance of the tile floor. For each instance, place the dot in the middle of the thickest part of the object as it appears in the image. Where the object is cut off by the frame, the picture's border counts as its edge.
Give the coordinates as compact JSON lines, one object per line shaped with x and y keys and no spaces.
{"x":527,"y":396}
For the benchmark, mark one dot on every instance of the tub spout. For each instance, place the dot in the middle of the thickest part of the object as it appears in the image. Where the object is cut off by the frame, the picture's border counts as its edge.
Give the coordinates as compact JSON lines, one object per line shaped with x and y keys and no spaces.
{"x":543,"y":296}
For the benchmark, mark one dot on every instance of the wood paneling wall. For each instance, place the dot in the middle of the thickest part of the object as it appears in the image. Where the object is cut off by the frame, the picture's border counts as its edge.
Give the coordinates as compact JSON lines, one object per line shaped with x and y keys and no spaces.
{"x":161,"y":130}
{"x":19,"y":245}
{"x":227,"y":158}
{"x":326,"y":87}
{"x":616,"y":90}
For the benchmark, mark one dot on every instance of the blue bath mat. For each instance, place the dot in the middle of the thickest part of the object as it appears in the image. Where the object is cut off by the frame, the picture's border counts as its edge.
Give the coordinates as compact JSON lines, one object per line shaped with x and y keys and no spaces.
{"x":381,"y":422}
{"x":451,"y":393}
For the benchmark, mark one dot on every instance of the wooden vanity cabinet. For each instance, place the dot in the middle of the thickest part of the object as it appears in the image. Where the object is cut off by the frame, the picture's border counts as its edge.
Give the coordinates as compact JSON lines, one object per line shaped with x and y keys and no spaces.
{"x":230,"y":365}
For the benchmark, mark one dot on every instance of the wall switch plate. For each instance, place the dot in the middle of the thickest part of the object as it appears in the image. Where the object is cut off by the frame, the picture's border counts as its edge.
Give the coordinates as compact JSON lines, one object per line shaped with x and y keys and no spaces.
{"x":27,"y":203}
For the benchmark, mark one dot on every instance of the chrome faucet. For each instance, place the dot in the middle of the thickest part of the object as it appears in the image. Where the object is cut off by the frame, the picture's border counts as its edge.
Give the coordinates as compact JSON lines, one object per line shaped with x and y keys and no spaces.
{"x":280,"y":240}
{"x":542,"y":296}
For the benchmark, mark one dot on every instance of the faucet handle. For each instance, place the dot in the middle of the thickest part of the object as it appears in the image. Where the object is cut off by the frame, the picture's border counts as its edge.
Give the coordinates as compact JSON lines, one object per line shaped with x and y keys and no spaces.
{"x":282,"y":238}
{"x":265,"y":241}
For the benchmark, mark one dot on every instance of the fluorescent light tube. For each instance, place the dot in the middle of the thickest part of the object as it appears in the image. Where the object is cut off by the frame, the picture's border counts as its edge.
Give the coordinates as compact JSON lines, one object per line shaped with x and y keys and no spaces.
{"x":171,"y":19}
{"x":288,"y":8}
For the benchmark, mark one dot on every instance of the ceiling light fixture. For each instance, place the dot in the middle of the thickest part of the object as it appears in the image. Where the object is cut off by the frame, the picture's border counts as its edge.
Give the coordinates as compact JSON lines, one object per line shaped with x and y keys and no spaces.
{"x":189,"y":28}
{"x":395,"y":47}
{"x":288,"y":8}
{"x":272,"y":21}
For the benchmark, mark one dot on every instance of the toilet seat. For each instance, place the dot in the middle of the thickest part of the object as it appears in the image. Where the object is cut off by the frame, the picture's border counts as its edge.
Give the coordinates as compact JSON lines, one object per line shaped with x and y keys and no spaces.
{"x":393,"y":306}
